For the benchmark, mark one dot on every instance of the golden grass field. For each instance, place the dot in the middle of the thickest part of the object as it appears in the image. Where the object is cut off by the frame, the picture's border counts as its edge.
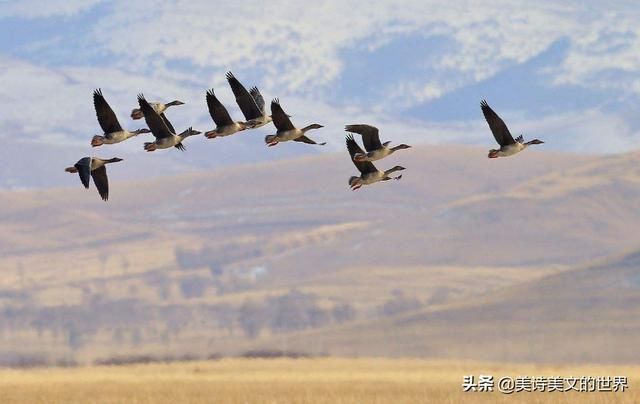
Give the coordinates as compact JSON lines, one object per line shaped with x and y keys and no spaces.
{"x":327,"y":380}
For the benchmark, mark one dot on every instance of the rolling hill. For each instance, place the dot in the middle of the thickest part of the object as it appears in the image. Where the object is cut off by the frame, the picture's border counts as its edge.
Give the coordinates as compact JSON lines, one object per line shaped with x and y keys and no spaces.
{"x":178,"y":263}
{"x":588,"y":314}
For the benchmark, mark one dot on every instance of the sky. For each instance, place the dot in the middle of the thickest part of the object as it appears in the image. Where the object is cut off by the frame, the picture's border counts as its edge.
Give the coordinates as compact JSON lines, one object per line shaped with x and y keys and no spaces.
{"x":565,"y":72}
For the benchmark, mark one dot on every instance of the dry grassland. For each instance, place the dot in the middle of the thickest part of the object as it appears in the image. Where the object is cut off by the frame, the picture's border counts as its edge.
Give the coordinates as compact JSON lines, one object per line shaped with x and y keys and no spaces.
{"x":335,"y":381}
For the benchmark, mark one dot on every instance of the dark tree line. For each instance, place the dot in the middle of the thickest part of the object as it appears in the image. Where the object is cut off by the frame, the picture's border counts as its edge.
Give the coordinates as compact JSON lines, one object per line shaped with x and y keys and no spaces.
{"x":292,"y":311}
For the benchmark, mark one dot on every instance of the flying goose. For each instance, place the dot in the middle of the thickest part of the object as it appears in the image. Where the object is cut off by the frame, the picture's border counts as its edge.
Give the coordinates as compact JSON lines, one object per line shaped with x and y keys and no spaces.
{"x":251,"y":103}
{"x":368,"y":172}
{"x":94,"y":167}
{"x":225,"y":126}
{"x":159,"y":107}
{"x":162,"y":129}
{"x":113,"y":132}
{"x":508,"y":146}
{"x":285,"y":129}
{"x":371,"y":140}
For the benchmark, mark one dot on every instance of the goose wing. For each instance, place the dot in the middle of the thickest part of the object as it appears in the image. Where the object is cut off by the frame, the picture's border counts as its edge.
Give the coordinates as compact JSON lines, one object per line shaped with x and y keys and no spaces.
{"x":102,"y":182}
{"x":106,"y":117}
{"x":84,"y":170}
{"x":157,"y":125}
{"x":257,"y":97}
{"x":166,"y":122}
{"x":218,"y":112}
{"x":497,"y":125}
{"x":369,"y":133}
{"x":364,"y":167}
{"x":280,"y":118}
{"x":245,"y":101}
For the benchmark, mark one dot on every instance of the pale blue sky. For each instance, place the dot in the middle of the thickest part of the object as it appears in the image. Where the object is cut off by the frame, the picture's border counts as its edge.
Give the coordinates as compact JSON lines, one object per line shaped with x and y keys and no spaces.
{"x":566,"y":72}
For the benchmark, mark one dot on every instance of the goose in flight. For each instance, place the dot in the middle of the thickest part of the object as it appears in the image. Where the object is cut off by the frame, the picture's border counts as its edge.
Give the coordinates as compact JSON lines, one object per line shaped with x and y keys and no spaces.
{"x":113,"y":132}
{"x":251,"y":103}
{"x":371,"y":140}
{"x":369,"y":174}
{"x":225,"y":126}
{"x":159,"y":107}
{"x":96,"y":168}
{"x":285,"y":129}
{"x":508,"y":145}
{"x":162,"y":129}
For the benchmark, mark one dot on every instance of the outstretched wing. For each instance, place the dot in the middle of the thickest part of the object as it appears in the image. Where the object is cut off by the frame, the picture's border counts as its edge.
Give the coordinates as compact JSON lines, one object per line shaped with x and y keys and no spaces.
{"x":84,"y":170}
{"x":218,"y":112}
{"x":280,"y":118}
{"x":102,"y":182}
{"x":257,"y":97}
{"x":245,"y":101}
{"x":363,"y":166}
{"x":497,"y":125}
{"x":166,"y":122}
{"x":106,"y":117}
{"x":305,"y":139}
{"x":154,"y":121}
{"x":369,"y":133}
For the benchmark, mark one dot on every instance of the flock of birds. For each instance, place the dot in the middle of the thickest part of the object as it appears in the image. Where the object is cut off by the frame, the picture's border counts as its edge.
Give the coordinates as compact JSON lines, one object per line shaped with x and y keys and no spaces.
{"x":252,"y":105}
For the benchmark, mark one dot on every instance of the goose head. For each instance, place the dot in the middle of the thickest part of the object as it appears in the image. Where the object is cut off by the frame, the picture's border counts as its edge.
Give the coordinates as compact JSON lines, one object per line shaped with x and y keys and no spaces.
{"x":114,"y":160}
{"x":393,"y":170}
{"x":174,"y":102}
{"x":534,"y":141}
{"x":312,"y":126}
{"x":141,"y":131}
{"x":185,"y":134}
{"x":400,"y":147}
{"x":190,"y":132}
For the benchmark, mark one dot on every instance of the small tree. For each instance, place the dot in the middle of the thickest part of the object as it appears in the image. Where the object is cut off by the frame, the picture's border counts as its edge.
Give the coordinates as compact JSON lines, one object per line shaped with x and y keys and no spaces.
{"x":193,"y":286}
{"x":251,"y":318}
{"x":343,"y":312}
{"x":399,"y":303}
